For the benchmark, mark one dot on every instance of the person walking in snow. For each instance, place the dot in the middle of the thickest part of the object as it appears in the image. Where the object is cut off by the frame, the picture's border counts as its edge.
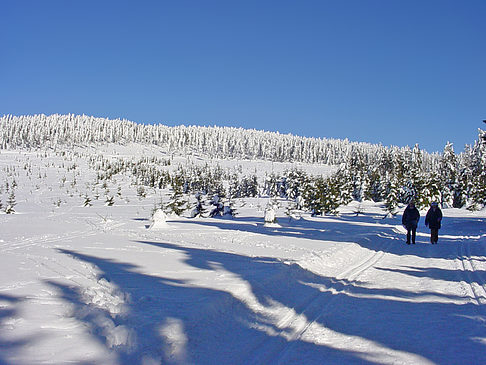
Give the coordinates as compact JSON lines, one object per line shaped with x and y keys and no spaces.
{"x":410,"y":219}
{"x":432,"y":220}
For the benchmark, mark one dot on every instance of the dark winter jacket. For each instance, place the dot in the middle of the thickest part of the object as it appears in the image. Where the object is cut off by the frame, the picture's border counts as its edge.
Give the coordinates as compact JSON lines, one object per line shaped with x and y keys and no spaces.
{"x":410,"y":217}
{"x":433,"y":218}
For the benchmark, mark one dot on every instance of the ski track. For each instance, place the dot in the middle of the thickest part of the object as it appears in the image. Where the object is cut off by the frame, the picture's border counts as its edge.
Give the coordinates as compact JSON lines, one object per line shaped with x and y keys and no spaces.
{"x":272,"y":350}
{"x":42,"y":241}
{"x":473,"y":282}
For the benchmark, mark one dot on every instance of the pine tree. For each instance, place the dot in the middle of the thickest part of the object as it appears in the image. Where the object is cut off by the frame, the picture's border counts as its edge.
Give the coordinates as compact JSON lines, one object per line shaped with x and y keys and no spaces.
{"x":218,"y":206}
{"x":311,"y":196}
{"x":343,"y":182}
{"x":234,"y":190}
{"x":11,"y":203}
{"x":330,"y":196}
{"x":141,"y":193}
{"x":431,"y":191}
{"x":229,"y":208}
{"x":473,"y":175}
{"x":199,"y":208}
{"x":177,"y":204}
{"x":448,"y":176}
{"x":391,"y":195}
{"x":87,"y":201}
{"x":271,"y":186}
{"x":109,"y":201}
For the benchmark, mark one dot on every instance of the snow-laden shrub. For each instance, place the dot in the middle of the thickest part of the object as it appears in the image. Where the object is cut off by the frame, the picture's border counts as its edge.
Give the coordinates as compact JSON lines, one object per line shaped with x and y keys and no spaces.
{"x":159,"y":220}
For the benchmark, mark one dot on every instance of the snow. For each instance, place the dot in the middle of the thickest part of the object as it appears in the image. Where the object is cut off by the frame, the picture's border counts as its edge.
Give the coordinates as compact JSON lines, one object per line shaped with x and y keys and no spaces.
{"x":159,"y":220}
{"x":97,"y":285}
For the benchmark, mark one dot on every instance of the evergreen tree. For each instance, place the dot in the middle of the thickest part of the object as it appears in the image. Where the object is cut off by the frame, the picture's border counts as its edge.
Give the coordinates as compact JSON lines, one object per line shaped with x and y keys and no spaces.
{"x":177,"y":204}
{"x":199,"y":209}
{"x":431,"y":192}
{"x":270,"y":212}
{"x":290,"y":209}
{"x":407,"y":193}
{"x":109,"y":201}
{"x":229,"y":208}
{"x":271,"y":186}
{"x":295,"y":181}
{"x":218,"y":206}
{"x":330,"y":195}
{"x":343,"y":186}
{"x":87,"y":201}
{"x":448,"y":176}
{"x":474,"y":175}
{"x":234,"y":190}
{"x":311,"y":195}
{"x":249,"y":186}
{"x":391,"y":195}
{"x":11,"y":203}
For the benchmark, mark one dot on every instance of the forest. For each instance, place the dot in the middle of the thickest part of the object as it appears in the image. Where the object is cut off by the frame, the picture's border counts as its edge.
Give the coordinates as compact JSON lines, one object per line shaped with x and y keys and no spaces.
{"x":362,"y":171}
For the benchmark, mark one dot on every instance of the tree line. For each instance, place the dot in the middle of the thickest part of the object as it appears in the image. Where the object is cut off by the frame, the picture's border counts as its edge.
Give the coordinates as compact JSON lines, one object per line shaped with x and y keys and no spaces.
{"x":363,"y":171}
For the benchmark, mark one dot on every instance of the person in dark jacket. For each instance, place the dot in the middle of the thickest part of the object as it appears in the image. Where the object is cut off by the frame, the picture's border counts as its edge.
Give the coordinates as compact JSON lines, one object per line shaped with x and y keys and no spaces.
{"x":432,"y":220}
{"x":410,"y":219}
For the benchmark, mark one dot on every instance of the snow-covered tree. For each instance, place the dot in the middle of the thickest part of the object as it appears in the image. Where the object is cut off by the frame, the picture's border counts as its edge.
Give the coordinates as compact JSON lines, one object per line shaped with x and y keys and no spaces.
{"x":87,"y":201}
{"x":199,"y":208}
{"x":448,"y":176}
{"x":109,"y":200}
{"x":270,"y":217}
{"x":177,"y":204}
{"x":392,"y":197}
{"x":11,"y":203}
{"x":218,"y":206}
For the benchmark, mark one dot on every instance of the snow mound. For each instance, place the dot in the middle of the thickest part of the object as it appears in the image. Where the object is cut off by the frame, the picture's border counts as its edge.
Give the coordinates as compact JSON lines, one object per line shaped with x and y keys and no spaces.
{"x":271,"y":218}
{"x":159,"y":220}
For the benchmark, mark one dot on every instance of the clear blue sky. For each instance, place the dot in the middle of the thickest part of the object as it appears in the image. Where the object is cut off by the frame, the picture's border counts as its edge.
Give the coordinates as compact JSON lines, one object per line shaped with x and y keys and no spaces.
{"x":387,"y":71}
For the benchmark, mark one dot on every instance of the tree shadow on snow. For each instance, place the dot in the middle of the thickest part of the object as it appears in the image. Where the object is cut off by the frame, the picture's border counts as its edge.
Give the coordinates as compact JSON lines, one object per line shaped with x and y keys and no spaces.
{"x":368,"y":230}
{"x":177,"y":322}
{"x":10,"y":347}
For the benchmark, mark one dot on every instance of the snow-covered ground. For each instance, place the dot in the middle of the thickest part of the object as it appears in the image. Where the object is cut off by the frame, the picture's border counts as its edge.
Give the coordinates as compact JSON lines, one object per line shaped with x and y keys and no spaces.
{"x":97,"y":285}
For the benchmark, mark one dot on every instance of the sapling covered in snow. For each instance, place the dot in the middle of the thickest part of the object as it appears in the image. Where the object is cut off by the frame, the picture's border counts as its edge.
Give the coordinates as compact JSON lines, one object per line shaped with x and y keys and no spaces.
{"x":291,"y":210}
{"x":199,"y":208}
{"x":109,"y":201}
{"x":11,"y":203}
{"x":87,"y":201}
{"x":229,"y":209}
{"x":218,"y":206}
{"x":270,"y":217}
{"x":159,"y":220}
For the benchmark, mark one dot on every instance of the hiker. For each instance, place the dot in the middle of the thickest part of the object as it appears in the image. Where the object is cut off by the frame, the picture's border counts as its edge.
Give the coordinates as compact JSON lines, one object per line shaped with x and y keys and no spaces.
{"x":410,"y":221}
{"x":432,"y":220}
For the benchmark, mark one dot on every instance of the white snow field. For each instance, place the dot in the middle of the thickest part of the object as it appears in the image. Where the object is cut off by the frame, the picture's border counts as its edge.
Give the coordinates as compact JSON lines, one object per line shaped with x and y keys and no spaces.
{"x":105,"y":285}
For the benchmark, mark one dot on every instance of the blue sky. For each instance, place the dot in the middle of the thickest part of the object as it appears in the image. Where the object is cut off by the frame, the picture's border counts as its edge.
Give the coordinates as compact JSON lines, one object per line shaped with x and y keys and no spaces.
{"x":391,"y":72}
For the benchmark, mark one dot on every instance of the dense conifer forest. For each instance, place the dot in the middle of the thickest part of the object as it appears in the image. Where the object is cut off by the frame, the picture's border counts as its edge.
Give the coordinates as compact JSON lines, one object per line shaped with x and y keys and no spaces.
{"x":363,"y":171}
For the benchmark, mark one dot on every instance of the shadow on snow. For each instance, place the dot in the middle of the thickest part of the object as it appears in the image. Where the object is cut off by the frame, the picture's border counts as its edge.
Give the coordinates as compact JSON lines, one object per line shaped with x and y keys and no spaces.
{"x":10,"y":346}
{"x":370,"y":231}
{"x":177,"y":322}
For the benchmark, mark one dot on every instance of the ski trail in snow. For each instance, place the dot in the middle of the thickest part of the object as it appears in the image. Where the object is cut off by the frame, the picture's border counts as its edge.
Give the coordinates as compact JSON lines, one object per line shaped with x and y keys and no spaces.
{"x":43,"y":240}
{"x":295,"y":323}
{"x":474,"y":284}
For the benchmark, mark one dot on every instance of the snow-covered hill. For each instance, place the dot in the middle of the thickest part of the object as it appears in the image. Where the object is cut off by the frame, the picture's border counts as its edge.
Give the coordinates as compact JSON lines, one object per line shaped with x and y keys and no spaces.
{"x":86,"y":280}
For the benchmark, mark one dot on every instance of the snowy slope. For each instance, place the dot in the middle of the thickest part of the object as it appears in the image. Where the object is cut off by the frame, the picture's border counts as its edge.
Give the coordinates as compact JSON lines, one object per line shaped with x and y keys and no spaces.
{"x":96,"y":285}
